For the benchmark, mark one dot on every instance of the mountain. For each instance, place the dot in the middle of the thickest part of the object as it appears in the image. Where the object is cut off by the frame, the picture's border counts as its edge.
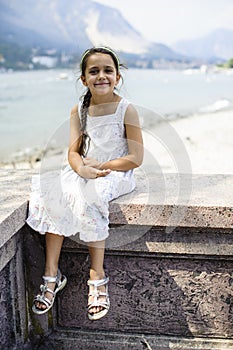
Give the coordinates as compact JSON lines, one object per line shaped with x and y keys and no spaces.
{"x":73,"y":26}
{"x":217,"y":45}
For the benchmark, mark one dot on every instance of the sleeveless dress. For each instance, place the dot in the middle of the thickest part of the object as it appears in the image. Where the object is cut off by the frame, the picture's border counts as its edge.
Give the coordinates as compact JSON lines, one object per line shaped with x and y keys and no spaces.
{"x":63,"y":203}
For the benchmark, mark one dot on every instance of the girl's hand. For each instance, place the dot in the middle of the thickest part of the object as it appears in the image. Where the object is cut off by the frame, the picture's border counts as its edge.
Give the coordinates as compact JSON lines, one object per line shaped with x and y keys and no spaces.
{"x":89,"y":172}
{"x":92,"y":162}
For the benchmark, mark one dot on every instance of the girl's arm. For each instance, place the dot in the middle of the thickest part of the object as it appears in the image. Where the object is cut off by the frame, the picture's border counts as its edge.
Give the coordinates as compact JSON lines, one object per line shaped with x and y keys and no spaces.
{"x":135,"y":145}
{"x":74,"y":158}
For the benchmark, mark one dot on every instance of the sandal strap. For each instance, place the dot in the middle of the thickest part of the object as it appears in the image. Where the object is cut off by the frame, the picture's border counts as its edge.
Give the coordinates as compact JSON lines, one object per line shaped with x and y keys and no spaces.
{"x":98,"y":283}
{"x":42,"y":299}
{"x":53,"y":279}
{"x":96,"y":294}
{"x":50,"y":279}
{"x":103,"y":304}
{"x":44,"y":288}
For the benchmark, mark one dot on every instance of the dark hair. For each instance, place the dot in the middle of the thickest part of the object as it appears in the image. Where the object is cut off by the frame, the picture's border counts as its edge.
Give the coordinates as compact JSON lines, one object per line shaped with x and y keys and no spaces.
{"x":83,"y":147}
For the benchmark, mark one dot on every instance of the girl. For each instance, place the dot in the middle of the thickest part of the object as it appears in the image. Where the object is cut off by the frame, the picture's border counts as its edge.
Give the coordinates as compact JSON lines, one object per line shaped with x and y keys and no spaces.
{"x":105,"y":146}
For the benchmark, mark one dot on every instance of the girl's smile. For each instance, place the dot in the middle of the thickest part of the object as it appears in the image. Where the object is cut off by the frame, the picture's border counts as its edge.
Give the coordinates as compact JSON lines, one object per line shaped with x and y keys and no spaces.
{"x":101,"y":84}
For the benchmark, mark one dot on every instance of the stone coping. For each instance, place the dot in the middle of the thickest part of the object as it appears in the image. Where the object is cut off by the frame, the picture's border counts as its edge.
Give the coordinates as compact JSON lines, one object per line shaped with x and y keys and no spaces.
{"x":15,"y":187}
{"x":159,"y":200}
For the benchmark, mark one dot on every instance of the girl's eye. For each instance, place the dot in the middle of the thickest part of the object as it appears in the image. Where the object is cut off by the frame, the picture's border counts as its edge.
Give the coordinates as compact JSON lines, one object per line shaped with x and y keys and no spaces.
{"x":93,"y":71}
{"x":108,"y":70}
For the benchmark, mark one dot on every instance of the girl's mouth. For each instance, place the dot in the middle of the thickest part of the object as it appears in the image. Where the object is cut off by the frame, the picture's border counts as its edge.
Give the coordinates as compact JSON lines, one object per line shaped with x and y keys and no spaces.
{"x":101,"y":84}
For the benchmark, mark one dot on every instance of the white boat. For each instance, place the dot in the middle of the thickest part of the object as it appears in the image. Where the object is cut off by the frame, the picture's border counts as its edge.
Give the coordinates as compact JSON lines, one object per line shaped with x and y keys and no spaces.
{"x":63,"y":76}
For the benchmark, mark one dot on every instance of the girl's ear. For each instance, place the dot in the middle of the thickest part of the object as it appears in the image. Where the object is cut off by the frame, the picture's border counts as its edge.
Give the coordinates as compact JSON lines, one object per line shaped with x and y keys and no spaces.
{"x":118,"y":77}
{"x":83,"y":80}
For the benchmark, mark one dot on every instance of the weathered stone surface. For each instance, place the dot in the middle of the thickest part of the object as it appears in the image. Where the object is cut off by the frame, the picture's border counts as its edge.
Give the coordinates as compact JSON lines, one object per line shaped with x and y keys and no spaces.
{"x":13,"y":320}
{"x":7,"y":336}
{"x":15,"y":187}
{"x":177,"y":200}
{"x":34,"y":262}
{"x":179,"y":293}
{"x":181,"y":240}
{"x":153,"y":295}
{"x":7,"y":252}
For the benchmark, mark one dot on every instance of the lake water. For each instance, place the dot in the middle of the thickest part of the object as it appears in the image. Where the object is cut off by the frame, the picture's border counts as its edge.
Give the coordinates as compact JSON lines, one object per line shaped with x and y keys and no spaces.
{"x":34,"y":103}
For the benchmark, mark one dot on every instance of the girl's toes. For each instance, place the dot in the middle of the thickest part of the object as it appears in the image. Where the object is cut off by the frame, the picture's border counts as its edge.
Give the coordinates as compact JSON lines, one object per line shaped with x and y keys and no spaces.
{"x":93,"y":310}
{"x":40,"y":306}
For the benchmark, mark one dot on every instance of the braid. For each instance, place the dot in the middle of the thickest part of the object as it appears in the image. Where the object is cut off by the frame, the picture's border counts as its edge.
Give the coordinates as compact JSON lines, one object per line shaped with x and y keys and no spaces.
{"x":84,"y":107}
{"x":83,"y":148}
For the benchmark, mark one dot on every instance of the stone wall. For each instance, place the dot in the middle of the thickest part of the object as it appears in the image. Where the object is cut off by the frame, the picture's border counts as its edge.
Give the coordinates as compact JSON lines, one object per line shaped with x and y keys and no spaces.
{"x":154,"y":292}
{"x":14,"y":317}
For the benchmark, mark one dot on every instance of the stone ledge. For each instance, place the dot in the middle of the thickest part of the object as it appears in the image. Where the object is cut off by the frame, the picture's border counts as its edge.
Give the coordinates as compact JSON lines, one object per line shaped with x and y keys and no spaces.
{"x":187,"y":242}
{"x":177,"y":200}
{"x":15,"y":187}
{"x":159,"y":200}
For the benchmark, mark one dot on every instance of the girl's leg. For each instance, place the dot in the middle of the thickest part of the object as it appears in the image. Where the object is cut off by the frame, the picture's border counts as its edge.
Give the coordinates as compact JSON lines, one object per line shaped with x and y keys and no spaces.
{"x":53,"y":249}
{"x":96,"y":251}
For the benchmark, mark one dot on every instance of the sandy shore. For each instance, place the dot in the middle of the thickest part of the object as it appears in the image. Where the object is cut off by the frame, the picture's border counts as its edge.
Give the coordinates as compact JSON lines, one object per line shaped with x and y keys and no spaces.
{"x":208,"y":139}
{"x":205,"y":140}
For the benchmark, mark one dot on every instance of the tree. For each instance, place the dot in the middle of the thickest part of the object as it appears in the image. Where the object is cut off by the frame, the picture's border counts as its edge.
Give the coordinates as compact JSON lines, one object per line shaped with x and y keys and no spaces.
{"x":230,"y":63}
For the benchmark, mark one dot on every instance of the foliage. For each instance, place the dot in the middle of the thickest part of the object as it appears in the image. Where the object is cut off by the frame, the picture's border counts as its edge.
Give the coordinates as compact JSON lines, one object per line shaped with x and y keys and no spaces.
{"x":15,"y":56}
{"x":228,"y":64}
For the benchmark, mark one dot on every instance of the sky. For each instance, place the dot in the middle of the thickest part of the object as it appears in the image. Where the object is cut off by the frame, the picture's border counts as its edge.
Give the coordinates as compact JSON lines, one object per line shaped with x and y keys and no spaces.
{"x":168,"y":21}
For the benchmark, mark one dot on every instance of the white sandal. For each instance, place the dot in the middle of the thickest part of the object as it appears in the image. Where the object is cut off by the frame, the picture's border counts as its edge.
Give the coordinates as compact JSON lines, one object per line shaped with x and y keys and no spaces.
{"x":60,"y":281}
{"x":97,"y":294}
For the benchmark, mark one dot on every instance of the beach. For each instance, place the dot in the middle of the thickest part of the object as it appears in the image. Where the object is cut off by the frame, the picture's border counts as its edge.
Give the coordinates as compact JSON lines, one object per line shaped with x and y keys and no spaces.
{"x":208,"y":140}
{"x":205,"y":139}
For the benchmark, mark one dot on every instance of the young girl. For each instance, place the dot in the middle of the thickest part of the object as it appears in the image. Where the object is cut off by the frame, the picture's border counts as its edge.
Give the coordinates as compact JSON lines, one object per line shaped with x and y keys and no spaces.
{"x":105,"y":146}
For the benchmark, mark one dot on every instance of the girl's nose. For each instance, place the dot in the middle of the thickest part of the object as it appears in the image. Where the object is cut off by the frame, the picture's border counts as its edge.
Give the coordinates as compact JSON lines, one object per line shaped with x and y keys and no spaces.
{"x":101,"y":74}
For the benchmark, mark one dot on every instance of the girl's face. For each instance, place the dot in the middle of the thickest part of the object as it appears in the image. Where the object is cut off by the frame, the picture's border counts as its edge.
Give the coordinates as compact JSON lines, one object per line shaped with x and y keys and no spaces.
{"x":101,"y":75}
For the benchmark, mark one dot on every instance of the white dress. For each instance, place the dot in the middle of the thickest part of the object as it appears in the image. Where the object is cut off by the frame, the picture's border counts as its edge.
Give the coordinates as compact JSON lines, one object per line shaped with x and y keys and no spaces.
{"x":64,"y":203}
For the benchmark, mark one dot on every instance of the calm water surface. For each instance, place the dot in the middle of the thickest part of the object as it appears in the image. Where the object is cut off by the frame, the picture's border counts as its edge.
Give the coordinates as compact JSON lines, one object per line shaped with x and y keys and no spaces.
{"x":34,"y":103}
